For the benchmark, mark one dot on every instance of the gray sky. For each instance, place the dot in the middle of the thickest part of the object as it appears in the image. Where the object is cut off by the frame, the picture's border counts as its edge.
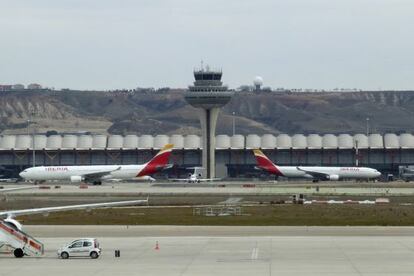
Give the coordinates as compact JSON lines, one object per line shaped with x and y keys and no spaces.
{"x":107,"y":44}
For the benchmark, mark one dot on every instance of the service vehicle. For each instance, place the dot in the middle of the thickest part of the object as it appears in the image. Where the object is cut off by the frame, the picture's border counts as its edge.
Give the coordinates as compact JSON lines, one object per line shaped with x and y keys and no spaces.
{"x":85,"y":247}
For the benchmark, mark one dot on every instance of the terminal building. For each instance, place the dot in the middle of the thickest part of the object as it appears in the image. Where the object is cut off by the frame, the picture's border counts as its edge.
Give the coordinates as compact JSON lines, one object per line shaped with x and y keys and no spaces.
{"x":233,"y":154}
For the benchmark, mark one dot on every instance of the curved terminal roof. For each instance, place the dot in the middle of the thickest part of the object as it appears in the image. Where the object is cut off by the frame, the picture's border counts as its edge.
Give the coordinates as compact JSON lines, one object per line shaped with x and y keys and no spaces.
{"x":266,"y":141}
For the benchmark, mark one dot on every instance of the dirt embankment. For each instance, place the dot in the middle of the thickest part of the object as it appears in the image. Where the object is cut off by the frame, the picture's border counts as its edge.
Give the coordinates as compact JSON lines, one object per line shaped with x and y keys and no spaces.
{"x":168,"y":113}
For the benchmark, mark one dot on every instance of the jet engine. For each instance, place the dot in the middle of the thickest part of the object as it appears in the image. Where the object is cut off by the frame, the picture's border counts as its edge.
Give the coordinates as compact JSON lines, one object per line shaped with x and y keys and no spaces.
{"x":76,"y":179}
{"x":146,"y":178}
{"x":333,"y":177}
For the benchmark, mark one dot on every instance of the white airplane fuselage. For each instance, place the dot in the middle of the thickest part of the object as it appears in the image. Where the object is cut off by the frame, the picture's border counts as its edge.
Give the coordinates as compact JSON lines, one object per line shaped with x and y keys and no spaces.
{"x":314,"y":172}
{"x":45,"y":173}
{"x":334,"y":172}
{"x":97,"y":173}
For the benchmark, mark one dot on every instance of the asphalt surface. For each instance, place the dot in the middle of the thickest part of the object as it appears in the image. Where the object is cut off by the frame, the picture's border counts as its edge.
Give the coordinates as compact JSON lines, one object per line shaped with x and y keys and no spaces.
{"x":212,"y":231}
{"x":225,"y":188}
{"x":224,"y":251}
{"x":218,"y":250}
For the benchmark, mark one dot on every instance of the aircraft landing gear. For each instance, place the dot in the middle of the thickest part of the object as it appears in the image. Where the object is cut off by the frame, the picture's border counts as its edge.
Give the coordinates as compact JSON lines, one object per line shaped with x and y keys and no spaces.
{"x":97,"y":183}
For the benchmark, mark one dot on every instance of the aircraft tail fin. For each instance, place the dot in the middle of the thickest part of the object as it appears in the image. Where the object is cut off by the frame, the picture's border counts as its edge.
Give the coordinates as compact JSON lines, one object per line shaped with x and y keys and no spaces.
{"x":264,"y":163}
{"x":158,"y":162}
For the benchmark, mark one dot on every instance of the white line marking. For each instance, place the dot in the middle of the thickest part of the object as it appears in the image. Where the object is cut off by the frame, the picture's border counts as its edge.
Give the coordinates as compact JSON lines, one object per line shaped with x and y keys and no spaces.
{"x":255,"y":253}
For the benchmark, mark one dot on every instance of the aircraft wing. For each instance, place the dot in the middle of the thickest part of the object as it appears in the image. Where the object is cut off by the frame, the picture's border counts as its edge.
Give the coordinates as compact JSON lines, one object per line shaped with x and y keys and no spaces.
{"x":178,"y":179}
{"x":14,"y":213}
{"x":134,"y":179}
{"x":208,"y":179}
{"x":90,"y":177}
{"x":18,"y":188}
{"x":198,"y":179}
{"x":314,"y":174}
{"x":168,"y":166}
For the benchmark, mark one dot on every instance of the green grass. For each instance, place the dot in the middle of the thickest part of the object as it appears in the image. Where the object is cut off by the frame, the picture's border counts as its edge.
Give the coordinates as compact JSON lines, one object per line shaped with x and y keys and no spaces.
{"x":310,"y":215}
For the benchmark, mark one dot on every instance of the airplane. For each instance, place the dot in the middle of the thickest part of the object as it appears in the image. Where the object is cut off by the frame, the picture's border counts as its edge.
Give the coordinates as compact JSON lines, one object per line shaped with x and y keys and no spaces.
{"x":20,"y":243}
{"x":195,"y":177}
{"x":97,"y":173}
{"x":314,"y":173}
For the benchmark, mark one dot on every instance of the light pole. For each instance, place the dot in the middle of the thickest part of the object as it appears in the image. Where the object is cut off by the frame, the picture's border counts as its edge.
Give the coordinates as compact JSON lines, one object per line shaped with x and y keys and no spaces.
{"x":234,"y":123}
{"x":33,"y":147}
{"x":356,"y":154}
{"x":367,"y":126}
{"x":28,"y":124}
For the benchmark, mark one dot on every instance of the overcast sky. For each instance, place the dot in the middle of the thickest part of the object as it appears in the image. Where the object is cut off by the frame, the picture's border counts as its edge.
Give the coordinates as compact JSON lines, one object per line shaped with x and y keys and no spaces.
{"x":107,"y":44}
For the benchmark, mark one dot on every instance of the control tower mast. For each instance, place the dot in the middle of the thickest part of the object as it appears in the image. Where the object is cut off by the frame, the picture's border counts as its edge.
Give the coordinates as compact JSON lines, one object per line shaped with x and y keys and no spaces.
{"x":208,"y":94}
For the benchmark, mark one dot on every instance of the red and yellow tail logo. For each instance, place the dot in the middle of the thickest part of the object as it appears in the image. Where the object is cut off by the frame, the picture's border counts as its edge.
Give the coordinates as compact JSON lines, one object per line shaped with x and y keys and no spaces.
{"x":265,"y":163}
{"x":158,"y":162}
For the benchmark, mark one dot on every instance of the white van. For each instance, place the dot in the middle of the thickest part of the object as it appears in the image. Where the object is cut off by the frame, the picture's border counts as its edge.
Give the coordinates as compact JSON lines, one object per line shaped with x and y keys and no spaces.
{"x":85,"y":247}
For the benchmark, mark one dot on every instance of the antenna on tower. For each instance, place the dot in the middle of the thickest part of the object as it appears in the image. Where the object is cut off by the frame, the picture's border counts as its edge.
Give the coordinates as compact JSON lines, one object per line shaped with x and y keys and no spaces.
{"x":202,"y":69}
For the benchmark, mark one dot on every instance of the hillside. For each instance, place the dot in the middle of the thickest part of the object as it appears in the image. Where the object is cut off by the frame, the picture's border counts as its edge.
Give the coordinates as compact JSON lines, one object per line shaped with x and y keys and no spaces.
{"x":168,"y":113}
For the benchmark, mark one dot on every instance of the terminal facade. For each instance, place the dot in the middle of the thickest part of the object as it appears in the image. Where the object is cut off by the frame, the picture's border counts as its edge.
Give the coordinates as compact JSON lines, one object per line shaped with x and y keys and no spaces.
{"x":234,"y":157}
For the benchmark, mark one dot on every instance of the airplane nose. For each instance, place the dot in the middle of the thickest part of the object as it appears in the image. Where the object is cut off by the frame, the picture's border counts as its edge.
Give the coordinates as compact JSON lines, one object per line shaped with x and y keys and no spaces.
{"x":377,"y":174}
{"x":23,"y":174}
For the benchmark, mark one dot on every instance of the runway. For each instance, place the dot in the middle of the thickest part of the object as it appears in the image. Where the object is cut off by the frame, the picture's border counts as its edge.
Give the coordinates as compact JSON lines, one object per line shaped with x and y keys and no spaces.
{"x":227,"y":251}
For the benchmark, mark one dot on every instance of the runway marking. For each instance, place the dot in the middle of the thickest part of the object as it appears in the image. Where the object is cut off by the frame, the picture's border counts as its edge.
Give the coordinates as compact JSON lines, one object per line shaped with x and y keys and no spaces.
{"x":255,"y":253}
{"x":231,"y":200}
{"x":229,"y":260}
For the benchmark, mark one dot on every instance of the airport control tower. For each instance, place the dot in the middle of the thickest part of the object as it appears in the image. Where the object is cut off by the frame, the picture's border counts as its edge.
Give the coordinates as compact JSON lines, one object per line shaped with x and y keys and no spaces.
{"x":208,"y":94}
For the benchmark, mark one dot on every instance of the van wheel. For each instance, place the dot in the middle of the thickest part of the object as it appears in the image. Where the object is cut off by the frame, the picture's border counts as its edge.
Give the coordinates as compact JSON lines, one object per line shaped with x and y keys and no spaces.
{"x":18,"y":253}
{"x":64,"y":255}
{"x":94,"y":255}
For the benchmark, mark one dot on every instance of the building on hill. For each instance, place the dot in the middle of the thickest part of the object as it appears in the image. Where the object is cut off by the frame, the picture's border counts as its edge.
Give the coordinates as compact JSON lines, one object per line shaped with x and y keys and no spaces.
{"x":34,"y":86}
{"x":5,"y":87}
{"x":18,"y":86}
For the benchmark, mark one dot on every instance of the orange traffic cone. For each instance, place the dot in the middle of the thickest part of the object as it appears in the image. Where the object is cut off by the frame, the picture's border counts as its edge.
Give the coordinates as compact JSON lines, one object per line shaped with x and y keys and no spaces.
{"x":157,"y":247}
